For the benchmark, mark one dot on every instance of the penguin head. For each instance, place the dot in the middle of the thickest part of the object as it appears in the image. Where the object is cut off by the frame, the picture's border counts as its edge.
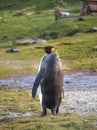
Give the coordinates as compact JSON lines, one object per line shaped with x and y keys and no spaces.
{"x":47,"y":49}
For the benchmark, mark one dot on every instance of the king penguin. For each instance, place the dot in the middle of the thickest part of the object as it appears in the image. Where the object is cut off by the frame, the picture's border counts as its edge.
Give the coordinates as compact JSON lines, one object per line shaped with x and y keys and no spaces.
{"x":49,"y":81}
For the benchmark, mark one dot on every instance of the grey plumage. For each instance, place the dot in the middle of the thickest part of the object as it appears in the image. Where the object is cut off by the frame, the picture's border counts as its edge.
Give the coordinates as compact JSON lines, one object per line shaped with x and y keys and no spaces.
{"x":50,"y":78}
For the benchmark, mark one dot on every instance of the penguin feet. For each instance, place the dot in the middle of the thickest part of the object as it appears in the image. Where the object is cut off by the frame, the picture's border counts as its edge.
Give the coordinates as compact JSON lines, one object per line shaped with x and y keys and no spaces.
{"x":44,"y":113}
{"x":54,"y":111}
{"x":57,"y":110}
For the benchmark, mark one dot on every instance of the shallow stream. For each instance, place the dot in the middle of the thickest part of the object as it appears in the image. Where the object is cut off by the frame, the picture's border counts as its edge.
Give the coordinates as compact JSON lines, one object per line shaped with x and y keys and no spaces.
{"x":83,"y":80}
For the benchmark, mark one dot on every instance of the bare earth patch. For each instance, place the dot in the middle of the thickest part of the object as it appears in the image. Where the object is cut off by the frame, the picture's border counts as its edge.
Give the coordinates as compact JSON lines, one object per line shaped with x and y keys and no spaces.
{"x":80,"y":102}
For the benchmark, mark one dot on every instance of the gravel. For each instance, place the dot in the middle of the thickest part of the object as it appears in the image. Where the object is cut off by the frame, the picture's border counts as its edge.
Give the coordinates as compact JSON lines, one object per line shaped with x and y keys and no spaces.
{"x":80,"y":102}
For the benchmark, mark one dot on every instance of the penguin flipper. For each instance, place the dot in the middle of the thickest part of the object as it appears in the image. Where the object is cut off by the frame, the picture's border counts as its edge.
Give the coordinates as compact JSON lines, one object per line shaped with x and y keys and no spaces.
{"x":36,"y":83}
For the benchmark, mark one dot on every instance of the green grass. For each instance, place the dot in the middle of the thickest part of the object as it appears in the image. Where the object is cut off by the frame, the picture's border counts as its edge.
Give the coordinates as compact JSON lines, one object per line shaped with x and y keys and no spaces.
{"x":33,"y":25}
{"x":17,"y":101}
{"x":76,"y":52}
{"x":73,"y":43}
{"x":21,"y":102}
{"x":41,"y":5}
{"x":62,"y":122}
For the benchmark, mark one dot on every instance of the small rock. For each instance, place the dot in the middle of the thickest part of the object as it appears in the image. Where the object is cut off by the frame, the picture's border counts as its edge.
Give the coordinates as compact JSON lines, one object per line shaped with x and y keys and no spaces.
{"x":81,"y":19}
{"x":40,"y":41}
{"x":20,"y":14}
{"x":94,"y":48}
{"x":64,"y":14}
{"x":94,"y":29}
{"x":27,"y":41}
{"x":68,"y":82}
{"x":12,"y":50}
{"x":4,"y":38}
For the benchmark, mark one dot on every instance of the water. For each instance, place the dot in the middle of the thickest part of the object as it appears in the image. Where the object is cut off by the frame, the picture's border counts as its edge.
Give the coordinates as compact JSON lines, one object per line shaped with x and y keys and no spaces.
{"x":81,"y":81}
{"x":24,"y":83}
{"x":84,"y":80}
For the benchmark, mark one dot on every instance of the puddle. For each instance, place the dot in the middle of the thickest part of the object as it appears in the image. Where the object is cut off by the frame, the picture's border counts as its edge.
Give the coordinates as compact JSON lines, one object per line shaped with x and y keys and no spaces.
{"x":84,"y":80}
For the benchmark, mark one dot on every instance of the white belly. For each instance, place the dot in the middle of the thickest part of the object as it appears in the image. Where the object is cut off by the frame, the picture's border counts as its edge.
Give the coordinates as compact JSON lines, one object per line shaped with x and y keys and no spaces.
{"x":40,"y":94}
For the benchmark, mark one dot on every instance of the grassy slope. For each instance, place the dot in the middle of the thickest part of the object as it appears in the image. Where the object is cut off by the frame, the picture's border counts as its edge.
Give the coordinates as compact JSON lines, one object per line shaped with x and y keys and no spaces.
{"x":68,"y":35}
{"x":34,"y":25}
{"x":73,"y":43}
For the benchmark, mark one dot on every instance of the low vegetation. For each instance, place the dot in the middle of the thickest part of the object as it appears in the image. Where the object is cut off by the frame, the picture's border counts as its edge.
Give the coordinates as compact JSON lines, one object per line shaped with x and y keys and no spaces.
{"x":73,"y":43}
{"x":69,"y":36}
{"x":21,"y":102}
{"x":76,"y":53}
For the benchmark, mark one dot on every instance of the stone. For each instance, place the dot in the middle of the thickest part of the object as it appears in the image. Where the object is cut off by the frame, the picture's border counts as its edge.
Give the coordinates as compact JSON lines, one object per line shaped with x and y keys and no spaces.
{"x":81,"y":19}
{"x":40,"y":41}
{"x":12,"y":50}
{"x":94,"y":29}
{"x":64,"y":15}
{"x":20,"y":14}
{"x":26,"y":41}
{"x":94,"y":48}
{"x":5,"y":37}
